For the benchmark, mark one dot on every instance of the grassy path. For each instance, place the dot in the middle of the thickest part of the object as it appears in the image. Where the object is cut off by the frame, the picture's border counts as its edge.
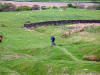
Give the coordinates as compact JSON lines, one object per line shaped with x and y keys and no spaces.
{"x":68,"y":53}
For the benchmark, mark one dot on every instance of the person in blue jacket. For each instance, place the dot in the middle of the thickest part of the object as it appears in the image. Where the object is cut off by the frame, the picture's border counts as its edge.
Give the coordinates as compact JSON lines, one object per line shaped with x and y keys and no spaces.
{"x":53,"y":41}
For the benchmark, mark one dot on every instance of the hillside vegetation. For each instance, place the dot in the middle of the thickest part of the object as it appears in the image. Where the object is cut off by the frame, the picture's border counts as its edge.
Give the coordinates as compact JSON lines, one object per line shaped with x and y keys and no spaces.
{"x":29,"y":52}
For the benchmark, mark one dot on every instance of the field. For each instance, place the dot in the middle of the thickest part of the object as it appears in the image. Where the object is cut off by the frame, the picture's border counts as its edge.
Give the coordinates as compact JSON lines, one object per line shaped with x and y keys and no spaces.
{"x":29,"y":52}
{"x":18,"y":19}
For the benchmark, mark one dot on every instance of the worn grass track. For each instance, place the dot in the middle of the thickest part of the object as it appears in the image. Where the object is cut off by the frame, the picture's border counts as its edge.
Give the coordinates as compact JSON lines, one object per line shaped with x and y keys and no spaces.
{"x":68,"y":53}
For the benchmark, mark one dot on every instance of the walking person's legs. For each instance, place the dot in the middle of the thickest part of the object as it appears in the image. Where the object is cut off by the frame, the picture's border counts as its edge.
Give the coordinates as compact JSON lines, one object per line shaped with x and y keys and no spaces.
{"x":53,"y":44}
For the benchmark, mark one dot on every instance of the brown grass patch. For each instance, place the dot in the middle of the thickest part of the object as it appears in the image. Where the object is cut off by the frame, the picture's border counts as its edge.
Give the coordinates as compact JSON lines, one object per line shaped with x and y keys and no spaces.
{"x":6,"y":57}
{"x":91,"y":58}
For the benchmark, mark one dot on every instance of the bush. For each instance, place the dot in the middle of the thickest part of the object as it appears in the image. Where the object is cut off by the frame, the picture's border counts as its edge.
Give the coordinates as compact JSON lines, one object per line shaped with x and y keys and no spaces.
{"x":0,"y":7}
{"x":43,"y":7}
{"x":55,"y":7}
{"x":74,"y":6}
{"x":7,"y":7}
{"x":98,"y":7}
{"x":3,"y":25}
{"x":70,"y":5}
{"x":36,"y":7}
{"x":49,"y":7}
{"x":23,"y":8}
{"x":18,"y":9}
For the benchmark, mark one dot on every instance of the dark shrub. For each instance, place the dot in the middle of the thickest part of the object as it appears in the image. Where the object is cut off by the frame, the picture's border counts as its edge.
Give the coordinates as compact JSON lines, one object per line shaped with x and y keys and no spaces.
{"x":27,"y":8}
{"x":36,"y":7}
{"x":74,"y":6}
{"x":3,"y":25}
{"x":43,"y":7}
{"x":8,"y":7}
{"x":18,"y":9}
{"x":98,"y":7}
{"x":23,"y":8}
{"x":55,"y":7}
{"x":0,"y":7}
{"x":70,"y":5}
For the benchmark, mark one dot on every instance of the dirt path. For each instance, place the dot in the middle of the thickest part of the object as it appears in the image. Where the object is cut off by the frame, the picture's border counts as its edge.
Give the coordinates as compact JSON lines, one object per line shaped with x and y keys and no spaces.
{"x":68,"y":53}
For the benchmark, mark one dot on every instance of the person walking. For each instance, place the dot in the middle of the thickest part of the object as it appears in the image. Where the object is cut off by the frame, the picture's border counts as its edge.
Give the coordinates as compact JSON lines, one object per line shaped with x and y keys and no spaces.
{"x":53,"y":41}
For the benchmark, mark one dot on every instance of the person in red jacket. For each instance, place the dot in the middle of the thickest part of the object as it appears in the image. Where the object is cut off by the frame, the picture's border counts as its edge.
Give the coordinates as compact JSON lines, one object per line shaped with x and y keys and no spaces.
{"x":1,"y":38}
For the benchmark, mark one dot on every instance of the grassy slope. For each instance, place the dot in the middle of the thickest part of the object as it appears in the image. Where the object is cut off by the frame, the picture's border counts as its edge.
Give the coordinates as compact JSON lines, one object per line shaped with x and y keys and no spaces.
{"x":33,"y":47}
{"x":16,"y":19}
{"x":38,"y":58}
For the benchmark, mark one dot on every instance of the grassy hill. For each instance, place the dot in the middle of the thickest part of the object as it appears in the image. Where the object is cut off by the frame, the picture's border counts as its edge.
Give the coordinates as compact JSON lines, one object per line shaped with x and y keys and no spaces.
{"x":29,"y":52}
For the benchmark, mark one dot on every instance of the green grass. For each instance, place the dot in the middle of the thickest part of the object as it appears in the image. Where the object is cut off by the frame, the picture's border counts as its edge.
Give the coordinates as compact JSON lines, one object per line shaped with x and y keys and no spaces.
{"x":29,"y":52}
{"x":37,"y":57}
{"x":18,"y":19}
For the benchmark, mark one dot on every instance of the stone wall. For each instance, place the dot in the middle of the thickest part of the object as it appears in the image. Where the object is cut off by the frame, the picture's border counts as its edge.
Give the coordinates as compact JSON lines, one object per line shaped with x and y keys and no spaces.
{"x":60,"y":22}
